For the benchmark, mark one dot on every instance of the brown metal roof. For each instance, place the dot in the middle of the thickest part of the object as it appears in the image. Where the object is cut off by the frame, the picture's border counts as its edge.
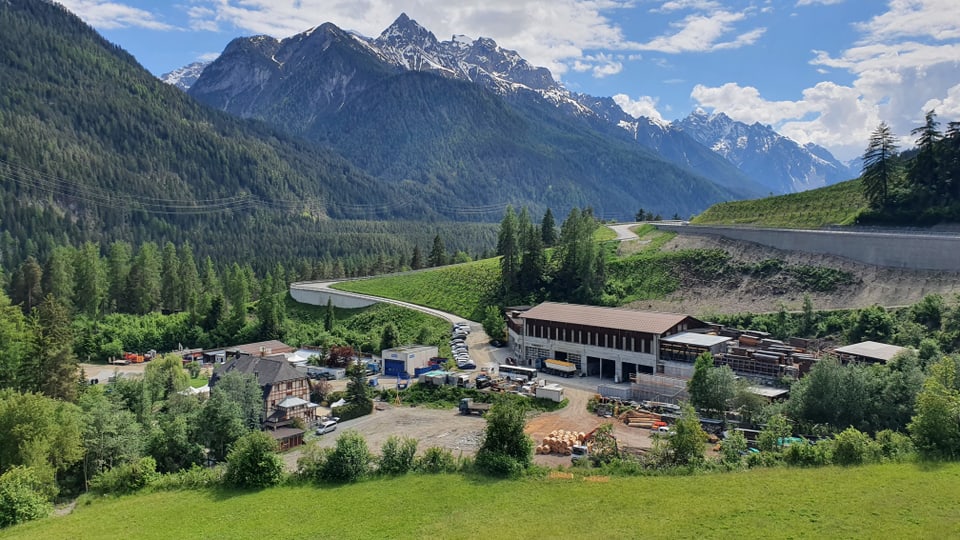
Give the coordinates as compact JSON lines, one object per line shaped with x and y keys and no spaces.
{"x":650,"y":322}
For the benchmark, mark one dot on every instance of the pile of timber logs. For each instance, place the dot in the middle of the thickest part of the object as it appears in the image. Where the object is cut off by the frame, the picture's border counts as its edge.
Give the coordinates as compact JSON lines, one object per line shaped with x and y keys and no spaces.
{"x":640,"y":419}
{"x":560,"y":442}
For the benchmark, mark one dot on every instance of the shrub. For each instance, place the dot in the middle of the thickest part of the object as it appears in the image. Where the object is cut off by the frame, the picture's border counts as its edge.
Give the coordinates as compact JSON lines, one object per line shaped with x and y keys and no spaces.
{"x":436,"y":460}
{"x":126,"y":478}
{"x":196,"y":477}
{"x":22,"y":497}
{"x":253,"y":462}
{"x":895,"y":446}
{"x":853,"y":447}
{"x":349,"y":461}
{"x":497,"y":464}
{"x":312,"y":462}
{"x":733,"y":447}
{"x":353,"y":410}
{"x":807,"y":455}
{"x":397,"y":455}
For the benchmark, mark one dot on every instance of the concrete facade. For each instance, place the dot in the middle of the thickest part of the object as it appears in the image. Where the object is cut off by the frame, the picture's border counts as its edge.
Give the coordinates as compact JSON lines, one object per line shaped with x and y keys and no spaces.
{"x":898,"y":250}
{"x":314,"y":294}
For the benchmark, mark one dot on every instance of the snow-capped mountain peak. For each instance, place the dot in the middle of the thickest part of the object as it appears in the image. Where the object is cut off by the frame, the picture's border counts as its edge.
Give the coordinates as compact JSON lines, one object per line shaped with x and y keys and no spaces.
{"x":184,"y":77}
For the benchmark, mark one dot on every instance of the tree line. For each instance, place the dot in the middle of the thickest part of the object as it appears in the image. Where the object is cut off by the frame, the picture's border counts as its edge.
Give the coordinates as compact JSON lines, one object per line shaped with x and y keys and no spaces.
{"x":539,"y":263}
{"x":917,"y":187}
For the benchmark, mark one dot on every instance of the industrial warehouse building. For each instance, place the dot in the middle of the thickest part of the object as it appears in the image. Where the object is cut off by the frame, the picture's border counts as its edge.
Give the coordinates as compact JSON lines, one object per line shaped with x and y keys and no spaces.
{"x":407,"y":359}
{"x":610,"y":342}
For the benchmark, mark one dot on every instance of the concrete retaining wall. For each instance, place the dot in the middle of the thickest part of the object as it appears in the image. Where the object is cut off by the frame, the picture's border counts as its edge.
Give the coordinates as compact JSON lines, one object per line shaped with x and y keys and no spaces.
{"x":899,"y":250}
{"x":305,"y":293}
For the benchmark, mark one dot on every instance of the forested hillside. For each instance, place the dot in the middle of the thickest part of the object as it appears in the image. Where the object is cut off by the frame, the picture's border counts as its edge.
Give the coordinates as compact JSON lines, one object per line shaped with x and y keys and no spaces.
{"x":94,"y":148}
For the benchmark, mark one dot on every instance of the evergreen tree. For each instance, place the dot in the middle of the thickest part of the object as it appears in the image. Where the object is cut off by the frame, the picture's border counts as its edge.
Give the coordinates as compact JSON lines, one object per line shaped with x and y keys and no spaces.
{"x":238,"y":296}
{"x":268,"y":311}
{"x":26,"y":288}
{"x":548,"y":229}
{"x":58,"y":275}
{"x":14,"y":341}
{"x":580,"y":270}
{"x":533,"y":264}
{"x":329,"y":316}
{"x":508,"y":248}
{"x":951,"y":162}
{"x":438,"y":254}
{"x":90,"y":289}
{"x":143,"y":281}
{"x":416,"y":260}
{"x":118,"y":270}
{"x":51,"y":367}
{"x":880,"y":170}
{"x":925,"y":172}
{"x":189,"y":281}
{"x":170,"y":284}
{"x":389,"y":337}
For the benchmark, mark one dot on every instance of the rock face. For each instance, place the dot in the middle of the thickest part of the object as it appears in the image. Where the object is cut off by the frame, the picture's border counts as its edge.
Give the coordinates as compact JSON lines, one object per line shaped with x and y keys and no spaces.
{"x":183,"y":78}
{"x":780,"y":164}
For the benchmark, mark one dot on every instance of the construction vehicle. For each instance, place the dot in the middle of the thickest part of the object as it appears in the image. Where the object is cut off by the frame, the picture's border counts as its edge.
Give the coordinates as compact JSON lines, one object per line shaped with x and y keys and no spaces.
{"x":469,"y":406}
{"x":559,"y":368}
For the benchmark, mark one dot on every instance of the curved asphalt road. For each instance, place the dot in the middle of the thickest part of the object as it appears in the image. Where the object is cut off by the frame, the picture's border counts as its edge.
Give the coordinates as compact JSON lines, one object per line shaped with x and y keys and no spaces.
{"x":623,"y":233}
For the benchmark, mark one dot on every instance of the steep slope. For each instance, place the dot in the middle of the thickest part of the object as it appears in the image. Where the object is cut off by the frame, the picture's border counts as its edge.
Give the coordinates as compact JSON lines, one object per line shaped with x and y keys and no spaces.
{"x":777,"y":162}
{"x":183,"y":78}
{"x":674,"y":146}
{"x":453,"y":141}
{"x":448,"y":121}
{"x":92,"y":147}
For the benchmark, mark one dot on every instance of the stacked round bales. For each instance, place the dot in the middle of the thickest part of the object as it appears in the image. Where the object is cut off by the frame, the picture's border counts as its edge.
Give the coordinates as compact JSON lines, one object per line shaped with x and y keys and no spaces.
{"x":560,"y":442}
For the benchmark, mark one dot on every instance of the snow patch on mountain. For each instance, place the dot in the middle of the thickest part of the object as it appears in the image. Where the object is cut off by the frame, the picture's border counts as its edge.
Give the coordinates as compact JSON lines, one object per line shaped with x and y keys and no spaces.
{"x":184,"y":77}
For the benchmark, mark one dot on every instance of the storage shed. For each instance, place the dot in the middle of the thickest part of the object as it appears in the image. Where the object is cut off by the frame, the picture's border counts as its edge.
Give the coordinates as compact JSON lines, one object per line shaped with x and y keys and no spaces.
{"x":407,"y":359}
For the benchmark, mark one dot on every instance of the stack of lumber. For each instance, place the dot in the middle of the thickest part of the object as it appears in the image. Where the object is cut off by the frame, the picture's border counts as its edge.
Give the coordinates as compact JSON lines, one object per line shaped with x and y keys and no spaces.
{"x":560,"y":441}
{"x":639,"y":418}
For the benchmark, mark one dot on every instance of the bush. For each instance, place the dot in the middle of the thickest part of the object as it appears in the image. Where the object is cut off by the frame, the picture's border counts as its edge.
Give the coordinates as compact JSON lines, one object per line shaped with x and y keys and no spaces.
{"x":349,"y":461}
{"x":733,"y":448}
{"x":312,"y":462}
{"x":253,"y":462}
{"x":895,"y":446}
{"x":436,"y":460}
{"x":807,"y":455}
{"x":22,"y":497}
{"x":126,"y":478}
{"x":853,"y":447}
{"x":397,"y":455}
{"x":497,"y":464}
{"x":353,"y":410}
{"x":196,"y":477}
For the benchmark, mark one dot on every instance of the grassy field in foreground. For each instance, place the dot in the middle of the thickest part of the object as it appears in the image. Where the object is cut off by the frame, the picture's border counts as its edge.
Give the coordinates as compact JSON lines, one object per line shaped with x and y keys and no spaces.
{"x":880,"y":501}
{"x":838,"y":204}
{"x":456,"y":289}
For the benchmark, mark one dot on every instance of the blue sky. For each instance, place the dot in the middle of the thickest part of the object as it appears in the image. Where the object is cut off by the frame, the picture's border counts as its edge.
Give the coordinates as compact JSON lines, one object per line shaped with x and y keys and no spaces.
{"x":823,"y":71}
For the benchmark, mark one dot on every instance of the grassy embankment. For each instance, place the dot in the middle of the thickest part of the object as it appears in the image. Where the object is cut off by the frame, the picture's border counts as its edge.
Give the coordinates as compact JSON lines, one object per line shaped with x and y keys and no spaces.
{"x":839,"y":204}
{"x":459,"y":289}
{"x":879,"y":501}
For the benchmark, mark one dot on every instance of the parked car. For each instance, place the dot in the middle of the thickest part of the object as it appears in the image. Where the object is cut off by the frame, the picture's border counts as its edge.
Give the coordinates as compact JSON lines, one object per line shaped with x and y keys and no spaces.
{"x":327,"y":426}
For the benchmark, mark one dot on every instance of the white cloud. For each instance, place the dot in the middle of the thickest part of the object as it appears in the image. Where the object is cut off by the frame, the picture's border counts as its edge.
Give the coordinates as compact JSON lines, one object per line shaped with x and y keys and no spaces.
{"x":557,"y":34}
{"x":937,"y":19}
{"x":906,"y":62}
{"x":208,"y":57}
{"x":680,"y":5}
{"x":110,"y":15}
{"x":948,"y":107}
{"x":701,"y":32}
{"x":642,"y":106}
{"x":813,"y":2}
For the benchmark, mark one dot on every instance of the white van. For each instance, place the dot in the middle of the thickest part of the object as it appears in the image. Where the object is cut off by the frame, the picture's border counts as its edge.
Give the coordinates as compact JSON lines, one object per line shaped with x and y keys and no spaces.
{"x":327,"y":427}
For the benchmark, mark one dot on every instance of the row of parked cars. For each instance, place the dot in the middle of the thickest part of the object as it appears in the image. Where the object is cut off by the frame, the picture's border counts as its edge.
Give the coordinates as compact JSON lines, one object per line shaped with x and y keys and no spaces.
{"x":459,"y":347}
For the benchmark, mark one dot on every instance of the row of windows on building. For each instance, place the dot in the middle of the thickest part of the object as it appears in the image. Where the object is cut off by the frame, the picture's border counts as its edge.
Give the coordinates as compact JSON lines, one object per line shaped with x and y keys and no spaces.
{"x":585,"y":335}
